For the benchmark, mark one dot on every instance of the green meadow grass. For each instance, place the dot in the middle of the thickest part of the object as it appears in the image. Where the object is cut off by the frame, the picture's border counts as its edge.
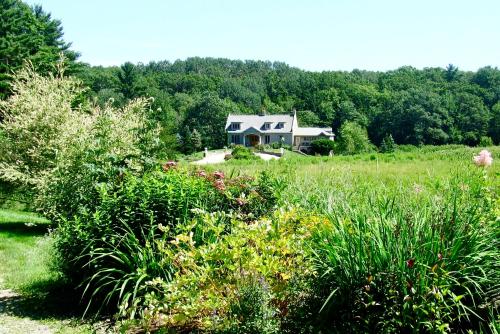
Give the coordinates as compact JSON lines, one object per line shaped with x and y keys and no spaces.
{"x":24,"y":249}
{"x":44,"y":304}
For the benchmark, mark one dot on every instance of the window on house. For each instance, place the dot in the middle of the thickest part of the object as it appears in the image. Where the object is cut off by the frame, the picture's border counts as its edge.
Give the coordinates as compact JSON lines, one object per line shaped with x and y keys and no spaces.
{"x":267,"y":139}
{"x":235,"y":139}
{"x":280,"y":125}
{"x":266,"y":126}
{"x":235,"y":126}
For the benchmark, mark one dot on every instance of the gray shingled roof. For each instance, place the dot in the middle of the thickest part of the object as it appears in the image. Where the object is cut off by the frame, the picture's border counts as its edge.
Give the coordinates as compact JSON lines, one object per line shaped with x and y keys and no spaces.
{"x":313,"y":132}
{"x":257,"y":122}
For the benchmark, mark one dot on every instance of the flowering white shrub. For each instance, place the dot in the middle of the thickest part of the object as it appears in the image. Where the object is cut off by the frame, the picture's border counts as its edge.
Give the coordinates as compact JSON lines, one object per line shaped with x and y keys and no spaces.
{"x":57,"y":144}
{"x":483,"y":159}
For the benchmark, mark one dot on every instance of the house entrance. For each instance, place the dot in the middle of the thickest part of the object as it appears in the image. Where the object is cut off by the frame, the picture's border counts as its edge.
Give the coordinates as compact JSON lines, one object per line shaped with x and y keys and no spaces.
{"x":252,"y":140}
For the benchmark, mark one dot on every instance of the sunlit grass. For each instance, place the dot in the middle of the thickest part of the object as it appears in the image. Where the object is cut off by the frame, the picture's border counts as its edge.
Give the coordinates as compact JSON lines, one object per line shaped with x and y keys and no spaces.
{"x":24,"y":249}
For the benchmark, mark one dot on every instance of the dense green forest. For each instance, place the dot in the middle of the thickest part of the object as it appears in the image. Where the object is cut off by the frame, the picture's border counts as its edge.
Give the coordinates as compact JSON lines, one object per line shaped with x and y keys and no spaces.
{"x":429,"y":106}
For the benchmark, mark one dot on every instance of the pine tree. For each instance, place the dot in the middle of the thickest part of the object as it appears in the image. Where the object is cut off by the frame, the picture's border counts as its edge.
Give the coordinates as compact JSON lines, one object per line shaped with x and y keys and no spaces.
{"x":187,"y":143}
{"x":388,"y":145}
{"x":29,"y":34}
{"x":195,"y":140}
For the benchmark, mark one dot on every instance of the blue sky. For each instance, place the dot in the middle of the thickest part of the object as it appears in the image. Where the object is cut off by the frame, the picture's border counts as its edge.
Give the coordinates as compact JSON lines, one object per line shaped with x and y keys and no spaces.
{"x":312,"y":35}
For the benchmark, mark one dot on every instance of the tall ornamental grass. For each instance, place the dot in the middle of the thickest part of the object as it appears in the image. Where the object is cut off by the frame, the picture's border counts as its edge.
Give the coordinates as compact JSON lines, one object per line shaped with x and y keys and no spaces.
{"x":407,"y":262}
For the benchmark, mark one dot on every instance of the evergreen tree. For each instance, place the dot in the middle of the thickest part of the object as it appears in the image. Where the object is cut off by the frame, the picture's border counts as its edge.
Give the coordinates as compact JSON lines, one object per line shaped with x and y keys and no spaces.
{"x":127,"y":77}
{"x":29,"y":34}
{"x":388,"y":145}
{"x":187,"y":144}
{"x":195,"y":140}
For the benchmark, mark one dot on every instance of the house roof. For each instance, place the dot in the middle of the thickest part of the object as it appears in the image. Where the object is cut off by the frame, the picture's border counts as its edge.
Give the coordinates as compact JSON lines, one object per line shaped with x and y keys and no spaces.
{"x":313,"y":132}
{"x":257,"y":121}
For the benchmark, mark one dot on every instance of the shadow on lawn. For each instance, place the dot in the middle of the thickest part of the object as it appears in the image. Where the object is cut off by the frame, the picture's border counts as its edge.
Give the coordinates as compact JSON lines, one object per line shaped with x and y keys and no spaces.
{"x":51,"y":298}
{"x":25,"y":229}
{"x":45,"y":299}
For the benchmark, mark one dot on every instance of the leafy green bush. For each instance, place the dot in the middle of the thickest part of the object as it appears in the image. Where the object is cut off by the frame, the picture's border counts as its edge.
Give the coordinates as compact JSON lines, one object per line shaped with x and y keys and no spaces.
{"x":231,"y":276}
{"x":61,"y":148}
{"x":105,"y":248}
{"x":353,"y":139}
{"x":485,"y":141}
{"x":243,"y":153}
{"x":322,"y":146}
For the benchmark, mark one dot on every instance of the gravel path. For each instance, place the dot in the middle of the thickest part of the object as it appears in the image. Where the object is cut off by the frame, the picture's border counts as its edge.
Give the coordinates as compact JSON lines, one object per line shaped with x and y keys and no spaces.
{"x":10,"y":324}
{"x":265,"y":156}
{"x":19,"y":315}
{"x":218,"y":157}
{"x":211,"y":158}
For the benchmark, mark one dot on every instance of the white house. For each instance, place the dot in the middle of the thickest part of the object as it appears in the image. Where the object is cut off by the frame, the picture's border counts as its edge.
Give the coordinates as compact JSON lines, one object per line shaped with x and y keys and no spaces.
{"x":252,"y":130}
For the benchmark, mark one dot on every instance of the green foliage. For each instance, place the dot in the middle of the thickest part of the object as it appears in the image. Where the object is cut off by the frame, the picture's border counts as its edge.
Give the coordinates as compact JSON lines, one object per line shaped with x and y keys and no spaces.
{"x":353,"y":139}
{"x":322,"y":146}
{"x":240,"y":152}
{"x":208,"y":116}
{"x":252,"y":310}
{"x":495,"y":123}
{"x":58,"y":149}
{"x":404,"y":269}
{"x":432,"y":106}
{"x":29,"y":34}
{"x":196,"y":141}
{"x":308,"y":118}
{"x":115,"y":248}
{"x":485,"y":141}
{"x":388,"y":145}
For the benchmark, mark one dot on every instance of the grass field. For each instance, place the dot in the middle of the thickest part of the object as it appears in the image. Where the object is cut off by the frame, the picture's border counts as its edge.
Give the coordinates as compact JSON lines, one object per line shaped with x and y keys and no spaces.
{"x":32,"y":297}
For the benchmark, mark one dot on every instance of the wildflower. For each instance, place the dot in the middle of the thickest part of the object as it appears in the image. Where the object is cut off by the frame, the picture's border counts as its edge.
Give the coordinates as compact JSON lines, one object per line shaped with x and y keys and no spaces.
{"x":219,"y":184}
{"x":440,"y":256}
{"x":417,"y":188}
{"x":240,"y":201}
{"x":464,"y":187}
{"x":201,"y":173}
{"x":169,"y":165}
{"x":483,"y":159}
{"x":410,"y":263}
{"x":219,"y":175}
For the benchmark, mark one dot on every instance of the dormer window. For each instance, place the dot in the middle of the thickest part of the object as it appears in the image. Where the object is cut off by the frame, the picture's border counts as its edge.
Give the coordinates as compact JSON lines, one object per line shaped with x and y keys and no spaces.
{"x":234,"y":126}
{"x":266,"y":126}
{"x":280,"y":125}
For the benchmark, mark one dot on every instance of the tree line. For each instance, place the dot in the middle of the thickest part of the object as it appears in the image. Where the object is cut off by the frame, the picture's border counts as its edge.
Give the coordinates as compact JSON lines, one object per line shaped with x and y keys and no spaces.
{"x":192,"y":97}
{"x":429,"y":106}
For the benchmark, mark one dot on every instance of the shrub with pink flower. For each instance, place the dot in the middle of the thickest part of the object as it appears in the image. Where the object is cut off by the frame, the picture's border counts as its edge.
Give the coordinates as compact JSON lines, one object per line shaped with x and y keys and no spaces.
{"x":169,"y":165}
{"x":219,"y":185}
{"x":483,"y":159}
{"x":219,"y":175}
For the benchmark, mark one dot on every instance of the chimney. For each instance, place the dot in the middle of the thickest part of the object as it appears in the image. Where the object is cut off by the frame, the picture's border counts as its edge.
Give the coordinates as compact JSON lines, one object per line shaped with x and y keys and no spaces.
{"x":293,"y":112}
{"x":262,"y":112}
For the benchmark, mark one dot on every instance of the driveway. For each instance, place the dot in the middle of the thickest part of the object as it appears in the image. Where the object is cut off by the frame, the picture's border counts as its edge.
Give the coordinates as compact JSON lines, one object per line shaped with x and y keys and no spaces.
{"x":265,"y":156}
{"x":211,"y":158}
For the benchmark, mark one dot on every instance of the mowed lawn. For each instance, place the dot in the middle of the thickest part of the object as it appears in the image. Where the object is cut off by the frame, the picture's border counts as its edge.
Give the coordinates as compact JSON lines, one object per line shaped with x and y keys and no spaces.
{"x":24,"y":249}
{"x":32,"y":296}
